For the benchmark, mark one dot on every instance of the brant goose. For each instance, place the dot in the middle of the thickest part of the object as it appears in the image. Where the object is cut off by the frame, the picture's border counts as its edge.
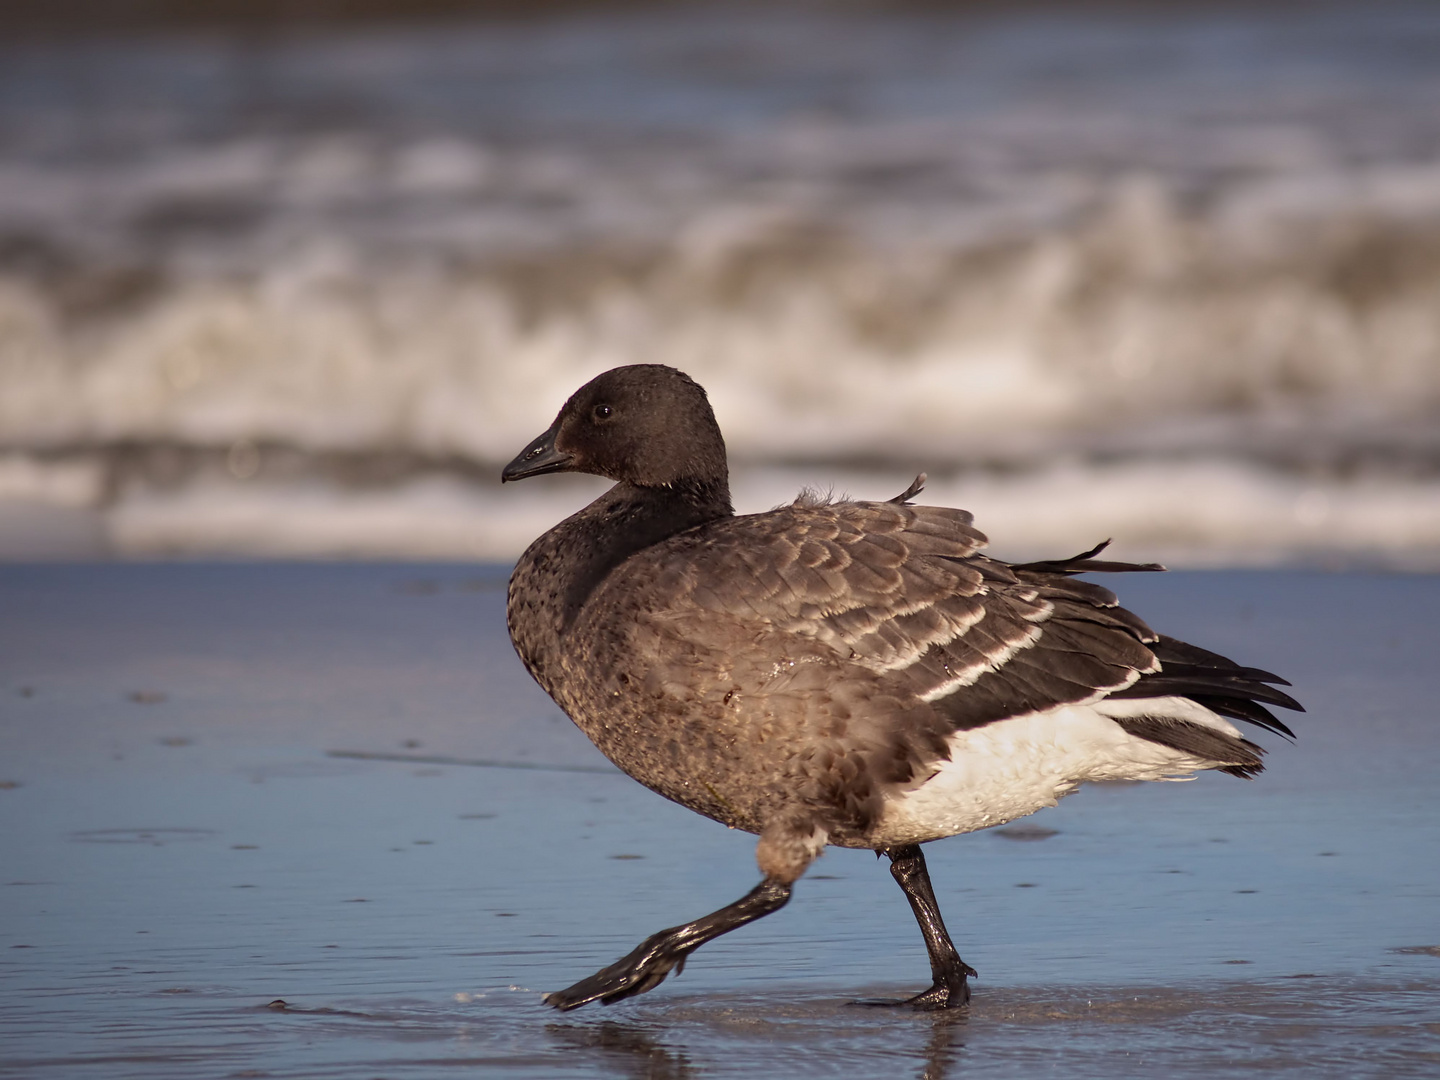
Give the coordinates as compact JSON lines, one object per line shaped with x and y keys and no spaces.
{"x":836,"y":672}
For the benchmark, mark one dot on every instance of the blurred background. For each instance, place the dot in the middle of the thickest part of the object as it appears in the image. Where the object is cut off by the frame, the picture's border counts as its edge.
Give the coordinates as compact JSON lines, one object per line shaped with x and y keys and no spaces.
{"x":293,"y":278}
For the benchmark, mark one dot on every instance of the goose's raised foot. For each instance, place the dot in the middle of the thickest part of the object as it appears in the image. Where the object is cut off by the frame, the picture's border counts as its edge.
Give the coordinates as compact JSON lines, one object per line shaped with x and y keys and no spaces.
{"x":643,"y":969}
{"x":646,"y":967}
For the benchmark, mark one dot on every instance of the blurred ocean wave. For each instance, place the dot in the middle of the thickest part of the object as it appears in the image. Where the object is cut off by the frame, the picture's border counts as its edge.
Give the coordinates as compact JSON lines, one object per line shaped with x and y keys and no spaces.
{"x":302,"y":295}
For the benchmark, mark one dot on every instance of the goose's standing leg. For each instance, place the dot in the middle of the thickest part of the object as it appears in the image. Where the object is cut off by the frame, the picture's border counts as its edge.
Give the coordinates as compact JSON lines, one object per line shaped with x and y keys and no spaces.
{"x":949,"y":989}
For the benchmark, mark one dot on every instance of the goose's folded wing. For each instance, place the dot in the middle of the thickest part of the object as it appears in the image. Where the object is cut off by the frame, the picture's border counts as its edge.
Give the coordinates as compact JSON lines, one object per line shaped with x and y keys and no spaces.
{"x":902,"y":591}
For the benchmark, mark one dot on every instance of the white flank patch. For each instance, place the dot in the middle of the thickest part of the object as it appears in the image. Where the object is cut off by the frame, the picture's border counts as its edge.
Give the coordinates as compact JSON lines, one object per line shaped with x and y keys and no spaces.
{"x":1014,"y":767}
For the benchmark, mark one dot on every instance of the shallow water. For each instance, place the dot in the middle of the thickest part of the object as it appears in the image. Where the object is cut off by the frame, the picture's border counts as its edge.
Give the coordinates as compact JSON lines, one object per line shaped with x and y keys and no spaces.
{"x":182,"y":847}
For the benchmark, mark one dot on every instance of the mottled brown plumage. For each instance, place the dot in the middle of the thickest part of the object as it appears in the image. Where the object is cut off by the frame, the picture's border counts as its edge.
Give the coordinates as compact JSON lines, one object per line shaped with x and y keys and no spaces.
{"x":802,"y":672}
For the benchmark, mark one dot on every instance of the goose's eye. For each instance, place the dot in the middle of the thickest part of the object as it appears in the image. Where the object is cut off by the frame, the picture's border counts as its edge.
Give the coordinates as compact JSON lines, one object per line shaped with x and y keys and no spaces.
{"x":602,"y":412}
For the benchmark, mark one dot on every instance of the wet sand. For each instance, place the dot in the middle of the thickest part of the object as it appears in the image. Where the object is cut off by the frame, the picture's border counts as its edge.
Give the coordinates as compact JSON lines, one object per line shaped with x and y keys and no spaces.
{"x":182,"y":848}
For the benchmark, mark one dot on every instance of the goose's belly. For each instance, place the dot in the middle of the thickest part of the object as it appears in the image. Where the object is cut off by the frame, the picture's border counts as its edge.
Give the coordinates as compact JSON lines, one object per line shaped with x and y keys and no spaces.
{"x":1011,"y":768}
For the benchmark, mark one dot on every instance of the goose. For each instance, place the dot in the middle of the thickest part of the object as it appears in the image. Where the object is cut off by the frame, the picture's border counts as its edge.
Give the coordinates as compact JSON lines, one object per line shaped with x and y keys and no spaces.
{"x":835,"y":671}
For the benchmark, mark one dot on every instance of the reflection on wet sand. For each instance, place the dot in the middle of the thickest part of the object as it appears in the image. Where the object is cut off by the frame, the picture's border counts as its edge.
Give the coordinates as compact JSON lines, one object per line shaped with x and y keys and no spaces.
{"x":947,"y":1035}
{"x":640,"y":1051}
{"x":1282,"y":1026}
{"x":630,"y":1049}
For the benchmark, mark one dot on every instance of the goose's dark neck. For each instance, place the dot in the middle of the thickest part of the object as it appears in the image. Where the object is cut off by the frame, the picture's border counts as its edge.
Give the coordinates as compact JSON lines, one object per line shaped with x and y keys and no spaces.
{"x":568,"y":563}
{"x":692,"y":501}
{"x":629,"y":518}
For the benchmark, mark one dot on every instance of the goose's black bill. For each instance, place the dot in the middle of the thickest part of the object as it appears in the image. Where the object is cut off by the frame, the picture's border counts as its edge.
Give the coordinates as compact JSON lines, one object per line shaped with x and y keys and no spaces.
{"x":538,"y":458}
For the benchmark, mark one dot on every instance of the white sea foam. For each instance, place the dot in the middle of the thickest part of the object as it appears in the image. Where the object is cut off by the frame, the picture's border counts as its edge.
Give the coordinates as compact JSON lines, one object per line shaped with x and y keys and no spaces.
{"x":961,"y":262}
{"x":1187,"y":514}
{"x":858,"y":353}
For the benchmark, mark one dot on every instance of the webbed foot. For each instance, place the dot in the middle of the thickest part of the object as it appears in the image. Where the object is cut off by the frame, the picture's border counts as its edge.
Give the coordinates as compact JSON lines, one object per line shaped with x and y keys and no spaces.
{"x":643,"y":969}
{"x":646,"y":967}
{"x":950,"y":992}
{"x":941,"y":996}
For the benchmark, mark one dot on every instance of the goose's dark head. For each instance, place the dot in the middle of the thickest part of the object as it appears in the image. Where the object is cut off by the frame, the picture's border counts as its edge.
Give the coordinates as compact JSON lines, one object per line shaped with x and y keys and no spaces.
{"x":646,"y":424}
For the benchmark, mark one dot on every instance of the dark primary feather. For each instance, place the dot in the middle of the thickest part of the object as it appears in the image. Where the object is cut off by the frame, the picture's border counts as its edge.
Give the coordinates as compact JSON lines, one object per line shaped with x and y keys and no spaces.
{"x":1216,"y":682}
{"x":1086,"y":563}
{"x":1241,"y":756}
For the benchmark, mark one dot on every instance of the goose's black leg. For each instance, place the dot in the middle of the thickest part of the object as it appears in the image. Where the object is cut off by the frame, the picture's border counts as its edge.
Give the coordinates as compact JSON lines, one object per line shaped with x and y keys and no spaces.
{"x":646,"y":967}
{"x":949,"y":990}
